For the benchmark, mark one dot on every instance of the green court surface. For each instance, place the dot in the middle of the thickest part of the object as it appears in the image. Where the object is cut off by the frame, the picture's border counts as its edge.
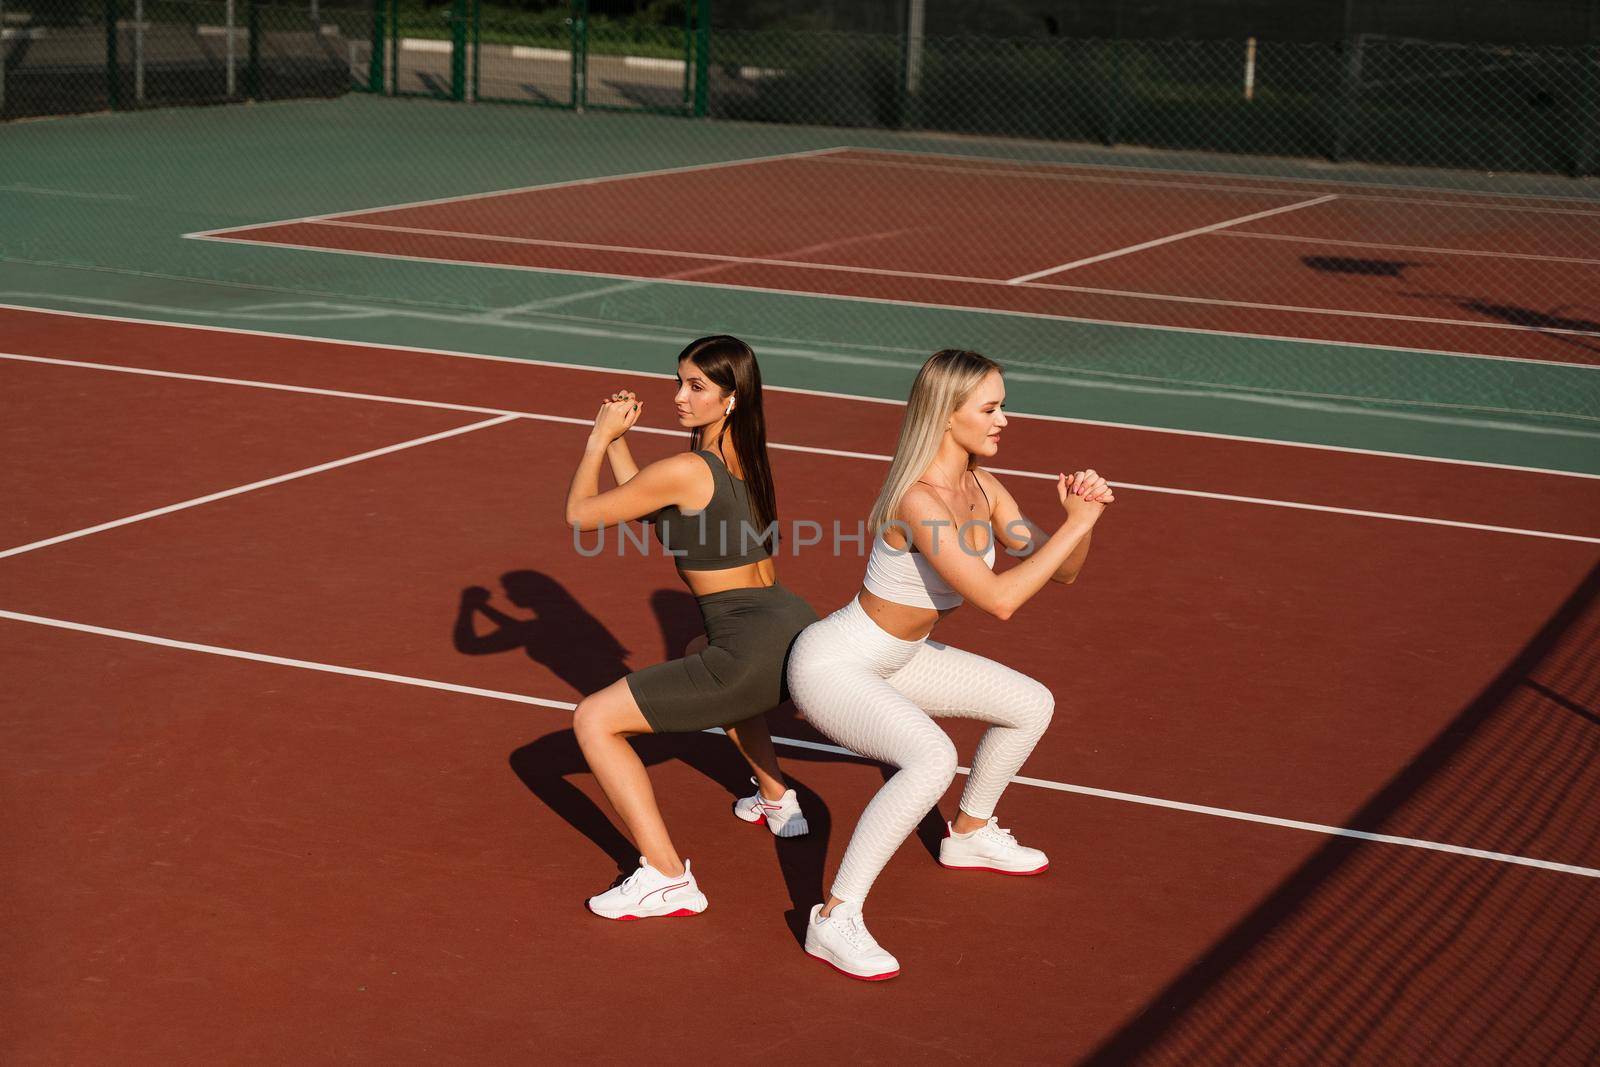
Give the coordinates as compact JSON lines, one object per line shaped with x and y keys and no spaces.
{"x":96,"y":209}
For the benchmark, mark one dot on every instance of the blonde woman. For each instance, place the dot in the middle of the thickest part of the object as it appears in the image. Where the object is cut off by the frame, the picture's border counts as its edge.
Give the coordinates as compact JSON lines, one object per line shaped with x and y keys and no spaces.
{"x":869,"y":677}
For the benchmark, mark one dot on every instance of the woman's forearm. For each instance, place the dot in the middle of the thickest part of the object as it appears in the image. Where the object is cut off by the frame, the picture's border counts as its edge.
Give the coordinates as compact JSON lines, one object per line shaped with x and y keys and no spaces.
{"x":1069,"y":571}
{"x":1043,"y":564}
{"x":586,"y":479}
{"x":622,"y":465}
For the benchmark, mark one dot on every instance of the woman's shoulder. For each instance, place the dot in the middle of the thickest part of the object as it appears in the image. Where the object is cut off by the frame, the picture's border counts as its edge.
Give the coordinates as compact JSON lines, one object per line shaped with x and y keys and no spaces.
{"x":920,"y":507}
{"x":918,"y":498}
{"x":682,"y":463}
{"x":684,"y":470}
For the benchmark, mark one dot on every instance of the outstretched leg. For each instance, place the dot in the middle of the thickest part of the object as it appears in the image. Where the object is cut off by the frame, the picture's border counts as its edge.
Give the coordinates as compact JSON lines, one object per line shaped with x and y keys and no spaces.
{"x":603,"y":723}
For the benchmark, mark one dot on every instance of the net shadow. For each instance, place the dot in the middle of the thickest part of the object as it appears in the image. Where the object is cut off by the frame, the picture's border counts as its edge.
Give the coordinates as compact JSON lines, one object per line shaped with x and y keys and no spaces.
{"x":1372,"y":953}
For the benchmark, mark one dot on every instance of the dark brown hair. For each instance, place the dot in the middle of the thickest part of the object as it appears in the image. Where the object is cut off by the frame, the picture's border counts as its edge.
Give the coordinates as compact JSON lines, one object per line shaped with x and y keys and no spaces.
{"x":730,"y":365}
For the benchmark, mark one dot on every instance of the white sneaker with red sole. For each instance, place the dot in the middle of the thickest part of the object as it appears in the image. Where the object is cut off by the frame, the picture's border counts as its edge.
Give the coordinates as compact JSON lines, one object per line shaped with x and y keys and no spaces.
{"x":649,"y":894}
{"x":782,"y":816}
{"x":989,"y":848}
{"x":841,"y":941}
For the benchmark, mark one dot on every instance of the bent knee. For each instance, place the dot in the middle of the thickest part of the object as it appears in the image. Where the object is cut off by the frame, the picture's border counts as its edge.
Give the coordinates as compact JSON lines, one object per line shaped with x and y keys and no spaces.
{"x":593,"y":719}
{"x":1037,"y":707}
{"x":585,"y":718}
{"x":1046,"y":703}
{"x":933,"y":762}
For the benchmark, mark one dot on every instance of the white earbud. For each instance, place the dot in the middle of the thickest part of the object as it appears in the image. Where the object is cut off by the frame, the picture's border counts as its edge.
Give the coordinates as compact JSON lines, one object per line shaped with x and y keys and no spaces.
{"x":729,"y":409}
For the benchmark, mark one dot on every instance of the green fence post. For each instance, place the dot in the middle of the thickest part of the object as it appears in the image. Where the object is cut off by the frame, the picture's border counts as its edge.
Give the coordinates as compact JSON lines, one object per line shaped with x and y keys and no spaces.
{"x":477,"y":47}
{"x":1586,"y":160}
{"x":1114,"y":93}
{"x":113,"y":73}
{"x":1345,"y":103}
{"x":393,"y":44}
{"x":702,"y":58}
{"x":1114,"y":89}
{"x":574,"y":17}
{"x":252,"y":70}
{"x":1349,"y":101}
{"x":375,"y":60}
{"x":458,"y":50}
{"x":912,"y":43}
{"x":580,"y":53}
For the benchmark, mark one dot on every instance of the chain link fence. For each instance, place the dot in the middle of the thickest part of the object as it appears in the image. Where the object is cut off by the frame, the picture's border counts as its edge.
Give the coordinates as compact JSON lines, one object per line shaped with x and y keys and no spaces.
{"x":1372,"y":98}
{"x":1463,"y":21}
{"x":1237,"y":77}
{"x":1031,"y":193}
{"x":61,"y":57}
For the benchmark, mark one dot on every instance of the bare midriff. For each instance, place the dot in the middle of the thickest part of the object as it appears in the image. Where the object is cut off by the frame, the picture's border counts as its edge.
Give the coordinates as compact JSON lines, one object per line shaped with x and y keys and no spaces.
{"x":905,"y":621}
{"x":757,"y":575}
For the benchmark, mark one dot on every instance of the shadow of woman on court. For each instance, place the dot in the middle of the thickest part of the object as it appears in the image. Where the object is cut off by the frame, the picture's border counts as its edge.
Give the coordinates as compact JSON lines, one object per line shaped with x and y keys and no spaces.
{"x":575,"y":645}
{"x":561,"y":634}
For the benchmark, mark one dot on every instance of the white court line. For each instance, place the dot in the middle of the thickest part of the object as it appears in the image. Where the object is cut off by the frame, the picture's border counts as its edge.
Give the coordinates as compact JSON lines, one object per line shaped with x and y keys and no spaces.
{"x":1300,"y":309}
{"x":1039,"y":783}
{"x":1317,"y":828}
{"x":665,"y":253}
{"x":264,"y":483}
{"x":973,"y":308}
{"x":599,"y":180}
{"x":1170,"y":239}
{"x":546,"y":303}
{"x":39,"y":190}
{"x":1356,"y":512}
{"x":1348,"y":190}
{"x":506,"y":414}
{"x":1296,"y":238}
{"x":1026,"y":281}
{"x":587,"y":368}
{"x":1233,"y":498}
{"x":1027,"y":372}
{"x":1088,"y":179}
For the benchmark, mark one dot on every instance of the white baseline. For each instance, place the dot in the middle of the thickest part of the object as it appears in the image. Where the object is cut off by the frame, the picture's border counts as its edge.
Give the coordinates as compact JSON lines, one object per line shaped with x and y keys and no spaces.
{"x":1039,"y":783}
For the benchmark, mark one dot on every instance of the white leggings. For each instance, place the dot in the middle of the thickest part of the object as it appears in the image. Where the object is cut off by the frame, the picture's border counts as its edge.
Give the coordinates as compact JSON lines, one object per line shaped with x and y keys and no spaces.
{"x":873,"y":693}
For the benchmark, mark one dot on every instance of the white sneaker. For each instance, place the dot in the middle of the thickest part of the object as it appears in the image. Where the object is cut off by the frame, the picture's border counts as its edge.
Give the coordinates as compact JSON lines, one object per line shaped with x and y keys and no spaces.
{"x":842,"y":942}
{"x":782,"y":816}
{"x":989,"y":848}
{"x":647,"y":894}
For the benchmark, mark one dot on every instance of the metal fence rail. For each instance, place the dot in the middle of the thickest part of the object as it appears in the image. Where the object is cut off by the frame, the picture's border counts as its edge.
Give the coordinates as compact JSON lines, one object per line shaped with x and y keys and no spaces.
{"x":64,"y":56}
{"x":1366,"y":96}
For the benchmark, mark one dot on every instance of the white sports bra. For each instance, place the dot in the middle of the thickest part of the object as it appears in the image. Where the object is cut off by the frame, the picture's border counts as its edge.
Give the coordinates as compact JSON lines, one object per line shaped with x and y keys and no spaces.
{"x":906,"y":577}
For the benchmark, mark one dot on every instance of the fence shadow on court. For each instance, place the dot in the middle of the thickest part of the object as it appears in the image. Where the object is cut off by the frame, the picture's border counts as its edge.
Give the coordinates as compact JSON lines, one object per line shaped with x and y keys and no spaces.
{"x":1378,"y":953}
{"x":1566,"y":325}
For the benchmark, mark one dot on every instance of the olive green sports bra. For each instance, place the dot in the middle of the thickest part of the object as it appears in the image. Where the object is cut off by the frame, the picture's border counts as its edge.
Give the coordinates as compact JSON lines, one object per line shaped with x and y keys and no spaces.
{"x":720,"y":536}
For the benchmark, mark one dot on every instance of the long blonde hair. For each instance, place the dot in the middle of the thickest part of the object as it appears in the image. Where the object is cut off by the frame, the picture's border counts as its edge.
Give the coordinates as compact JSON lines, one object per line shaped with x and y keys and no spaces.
{"x":945,"y":382}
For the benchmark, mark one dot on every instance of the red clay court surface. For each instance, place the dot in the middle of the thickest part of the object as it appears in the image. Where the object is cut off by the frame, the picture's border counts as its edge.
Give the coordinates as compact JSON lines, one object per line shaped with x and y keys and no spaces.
{"x":1426,"y":269}
{"x":273,"y":797}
